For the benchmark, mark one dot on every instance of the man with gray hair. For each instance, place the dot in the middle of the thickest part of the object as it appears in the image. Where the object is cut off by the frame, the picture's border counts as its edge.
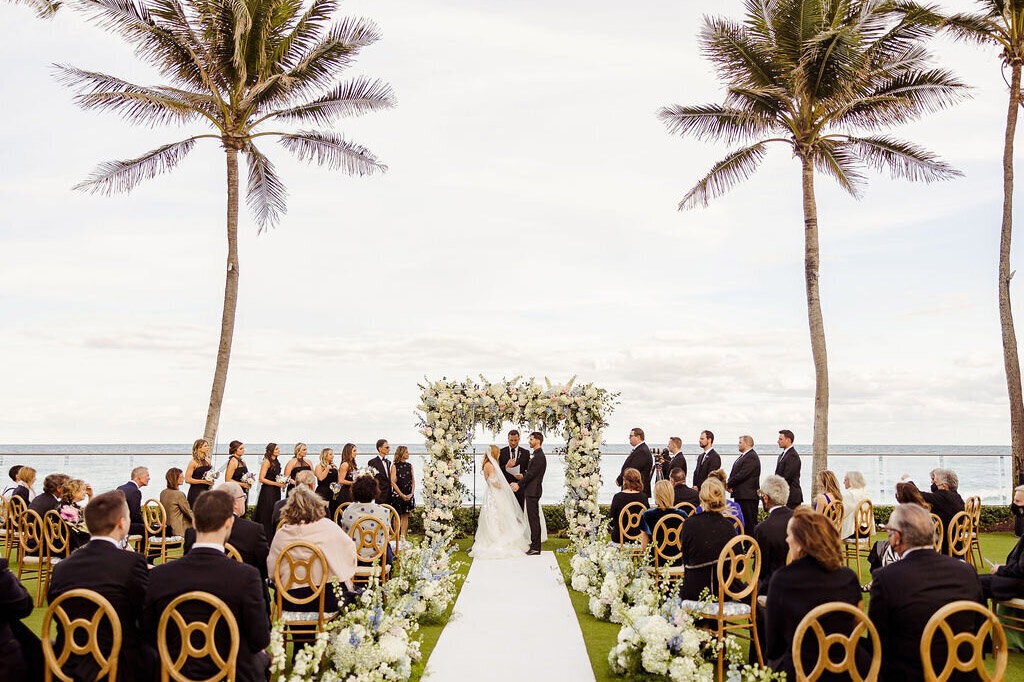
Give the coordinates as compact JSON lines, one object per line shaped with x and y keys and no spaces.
{"x":771,"y":538}
{"x":907,"y":593}
{"x":133,"y":496}
{"x":944,"y":499}
{"x":1007,"y":580}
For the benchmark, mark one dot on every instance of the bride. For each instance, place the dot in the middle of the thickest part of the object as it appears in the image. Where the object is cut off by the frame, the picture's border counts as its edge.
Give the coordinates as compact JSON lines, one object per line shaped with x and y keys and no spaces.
{"x":502,"y":531}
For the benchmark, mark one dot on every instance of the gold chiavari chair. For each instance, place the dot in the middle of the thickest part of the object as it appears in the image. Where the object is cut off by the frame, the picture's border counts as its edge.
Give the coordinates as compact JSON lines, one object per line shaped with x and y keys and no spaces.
{"x":395,"y":529}
{"x":860,"y":545}
{"x":339,"y":511}
{"x":58,"y":536}
{"x":736,"y":522}
{"x":232,"y":553}
{"x":959,"y":536}
{"x":687,"y":509}
{"x":371,"y":538}
{"x":826,"y":642}
{"x":172,"y":663}
{"x":301,"y":565}
{"x":15,"y":508}
{"x":973,"y":509}
{"x":629,"y":526}
{"x":833,"y":511}
{"x":154,"y":516}
{"x":668,"y":548}
{"x":68,"y":629}
{"x":937,"y":532}
{"x":34,"y":555}
{"x":4,"y":508}
{"x":955,"y":641}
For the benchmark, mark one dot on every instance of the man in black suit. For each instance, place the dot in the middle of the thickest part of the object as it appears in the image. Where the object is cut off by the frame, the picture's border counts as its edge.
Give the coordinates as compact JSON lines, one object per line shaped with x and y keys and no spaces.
{"x":743,"y":481}
{"x":907,"y":593}
{"x":771,"y":538}
{"x":133,"y":496}
{"x":640,"y":459}
{"x":50,"y":499}
{"x":707,"y":461}
{"x":207,"y":569}
{"x":381,"y":466}
{"x":532,"y":486}
{"x":677,"y":460}
{"x":306,"y":478}
{"x":788,"y":466}
{"x":944,"y":499}
{"x":21,"y":653}
{"x":248,"y":537}
{"x":512,"y":457}
{"x":680,"y":491}
{"x":121,"y":576}
{"x":1007,"y":580}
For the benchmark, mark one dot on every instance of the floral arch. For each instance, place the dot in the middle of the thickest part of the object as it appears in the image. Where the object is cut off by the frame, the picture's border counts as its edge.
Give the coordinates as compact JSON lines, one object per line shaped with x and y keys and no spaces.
{"x":450,"y":412}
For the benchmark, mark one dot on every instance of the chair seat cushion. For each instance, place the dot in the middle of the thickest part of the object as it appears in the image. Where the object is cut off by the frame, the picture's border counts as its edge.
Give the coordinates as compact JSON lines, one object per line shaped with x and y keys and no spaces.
{"x":29,"y":559}
{"x":368,"y":570}
{"x":157,"y":540}
{"x":1016,"y":603}
{"x":305,"y":616}
{"x":731,"y":609}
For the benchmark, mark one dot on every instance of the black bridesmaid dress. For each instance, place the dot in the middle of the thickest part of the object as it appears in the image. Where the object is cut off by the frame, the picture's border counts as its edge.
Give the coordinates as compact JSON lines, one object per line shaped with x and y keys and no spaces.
{"x":269,"y":496}
{"x":196,"y":489}
{"x":303,"y":465}
{"x":236,"y":476}
{"x":323,"y":489}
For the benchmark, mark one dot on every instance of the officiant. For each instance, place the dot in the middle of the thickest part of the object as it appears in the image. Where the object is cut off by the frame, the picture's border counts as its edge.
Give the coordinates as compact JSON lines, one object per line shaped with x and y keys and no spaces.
{"x":513,"y":461}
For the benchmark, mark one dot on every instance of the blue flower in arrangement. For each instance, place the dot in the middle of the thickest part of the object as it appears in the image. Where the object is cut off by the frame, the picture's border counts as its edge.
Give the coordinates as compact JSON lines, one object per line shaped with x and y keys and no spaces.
{"x":355,"y":640}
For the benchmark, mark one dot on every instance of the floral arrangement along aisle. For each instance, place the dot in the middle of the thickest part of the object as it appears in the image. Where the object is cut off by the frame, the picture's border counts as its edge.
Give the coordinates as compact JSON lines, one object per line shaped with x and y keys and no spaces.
{"x":451,"y":412}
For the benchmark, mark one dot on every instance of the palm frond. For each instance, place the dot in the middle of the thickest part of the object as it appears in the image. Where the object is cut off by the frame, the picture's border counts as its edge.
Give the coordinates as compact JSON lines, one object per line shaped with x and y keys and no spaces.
{"x":305,"y":34}
{"x":902,"y":159}
{"x":904,"y":98}
{"x":739,"y":165}
{"x":122,"y":176}
{"x":713,"y":122}
{"x":266,"y":195}
{"x":333,"y":151}
{"x":975,"y":28}
{"x":44,"y":9}
{"x":352,"y":98}
{"x":736,"y":55}
{"x":766,"y":102}
{"x":838,"y":159}
{"x":136,"y":103}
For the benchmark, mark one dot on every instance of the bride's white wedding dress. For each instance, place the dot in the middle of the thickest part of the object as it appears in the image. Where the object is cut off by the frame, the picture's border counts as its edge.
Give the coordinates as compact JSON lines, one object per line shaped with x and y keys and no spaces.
{"x":502,"y":530}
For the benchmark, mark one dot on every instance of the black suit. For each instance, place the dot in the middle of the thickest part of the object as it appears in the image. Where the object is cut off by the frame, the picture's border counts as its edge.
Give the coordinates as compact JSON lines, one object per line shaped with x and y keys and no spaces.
{"x":706,"y":463}
{"x":522,"y":457}
{"x":44,"y":503}
{"x":382,"y":472}
{"x":788,"y":467}
{"x":532,"y":486}
{"x":904,"y":595}
{"x":1008,"y":581}
{"x":275,"y":516}
{"x":122,"y":577}
{"x":744,"y":480}
{"x":677,"y":462}
{"x":771,"y":538}
{"x":21,"y":654}
{"x":248,"y":538}
{"x":945,"y":504}
{"x":684,"y":493}
{"x":238,"y":585}
{"x":642,"y":460}
{"x":133,"y":496}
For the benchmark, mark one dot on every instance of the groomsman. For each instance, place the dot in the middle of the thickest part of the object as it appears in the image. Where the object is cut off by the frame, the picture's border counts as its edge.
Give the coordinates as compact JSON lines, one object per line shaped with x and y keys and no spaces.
{"x":514,"y":456}
{"x":707,"y":461}
{"x":381,"y":466}
{"x":788,"y":466}
{"x":640,"y":459}
{"x":744,"y":480}
{"x":677,"y":460}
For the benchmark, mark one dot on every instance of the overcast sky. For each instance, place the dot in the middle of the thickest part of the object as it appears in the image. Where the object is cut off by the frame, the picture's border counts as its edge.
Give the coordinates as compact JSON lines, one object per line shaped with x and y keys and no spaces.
{"x":527,"y":226}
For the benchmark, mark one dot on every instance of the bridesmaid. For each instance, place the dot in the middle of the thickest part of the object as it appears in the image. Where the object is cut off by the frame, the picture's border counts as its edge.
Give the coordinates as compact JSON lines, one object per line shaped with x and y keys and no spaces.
{"x":346,"y":474}
{"x":270,"y":490}
{"x":327,"y":474}
{"x":237,"y":467}
{"x":295,"y":465}
{"x":196,"y":469}
{"x":403,"y":486}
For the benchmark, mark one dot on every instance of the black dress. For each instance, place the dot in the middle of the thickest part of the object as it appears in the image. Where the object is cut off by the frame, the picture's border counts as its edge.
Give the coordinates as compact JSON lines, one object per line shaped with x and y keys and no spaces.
{"x":403,"y":479}
{"x":346,"y":490}
{"x":703,"y":537}
{"x":323,"y":489}
{"x":303,"y":465}
{"x":196,"y":489}
{"x":619,"y":501}
{"x":269,"y":496}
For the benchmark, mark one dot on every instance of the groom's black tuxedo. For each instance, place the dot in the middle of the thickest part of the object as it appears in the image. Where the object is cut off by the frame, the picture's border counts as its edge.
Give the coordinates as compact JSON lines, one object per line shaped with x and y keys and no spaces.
{"x":532,"y":488}
{"x":522,"y":456}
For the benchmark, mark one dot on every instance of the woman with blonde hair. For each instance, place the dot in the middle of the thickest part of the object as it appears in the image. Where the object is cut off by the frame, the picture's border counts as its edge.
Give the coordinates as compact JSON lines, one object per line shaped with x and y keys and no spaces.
{"x":703,"y":537}
{"x":828,"y":484}
{"x":26,"y":481}
{"x":732,"y":507}
{"x":664,"y":497}
{"x":195,"y":472}
{"x":179,"y":511}
{"x":295,"y":465}
{"x":403,"y":485}
{"x":347,"y":471}
{"x":632,"y":491}
{"x":326,"y":475}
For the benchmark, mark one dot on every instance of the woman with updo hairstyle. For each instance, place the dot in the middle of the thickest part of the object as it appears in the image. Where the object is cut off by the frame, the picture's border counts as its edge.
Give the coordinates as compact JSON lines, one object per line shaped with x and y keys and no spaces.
{"x":815,"y":575}
{"x":270,"y":489}
{"x":197,"y":469}
{"x":237,"y":468}
{"x":295,"y":465}
{"x":731,"y":506}
{"x":176,"y":506}
{"x":632,"y":491}
{"x":703,"y":537}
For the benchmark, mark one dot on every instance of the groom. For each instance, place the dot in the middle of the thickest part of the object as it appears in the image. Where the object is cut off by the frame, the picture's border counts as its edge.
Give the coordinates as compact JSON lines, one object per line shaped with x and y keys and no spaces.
{"x":532,"y":486}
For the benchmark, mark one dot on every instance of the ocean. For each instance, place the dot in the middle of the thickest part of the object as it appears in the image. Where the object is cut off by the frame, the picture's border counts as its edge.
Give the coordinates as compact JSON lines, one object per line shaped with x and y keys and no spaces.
{"x":984,"y":471}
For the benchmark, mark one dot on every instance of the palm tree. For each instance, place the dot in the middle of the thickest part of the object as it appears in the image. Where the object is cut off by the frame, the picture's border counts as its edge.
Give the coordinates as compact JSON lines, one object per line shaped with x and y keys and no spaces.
{"x":1001,"y":23}
{"x":824,"y":77}
{"x":44,"y":9}
{"x":237,"y":66}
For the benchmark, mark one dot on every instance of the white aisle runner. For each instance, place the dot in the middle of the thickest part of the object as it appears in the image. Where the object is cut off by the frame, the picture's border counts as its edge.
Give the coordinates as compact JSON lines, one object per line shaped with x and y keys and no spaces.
{"x":512,"y":621}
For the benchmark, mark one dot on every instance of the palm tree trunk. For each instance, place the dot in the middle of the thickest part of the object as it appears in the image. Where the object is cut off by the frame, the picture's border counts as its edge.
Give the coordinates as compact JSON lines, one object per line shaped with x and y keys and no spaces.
{"x":1011,"y":362}
{"x":816,"y":323}
{"x":227,"y":322}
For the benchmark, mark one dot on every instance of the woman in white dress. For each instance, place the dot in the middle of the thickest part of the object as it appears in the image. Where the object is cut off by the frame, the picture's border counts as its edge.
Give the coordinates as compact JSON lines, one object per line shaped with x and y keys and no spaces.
{"x":502,"y":530}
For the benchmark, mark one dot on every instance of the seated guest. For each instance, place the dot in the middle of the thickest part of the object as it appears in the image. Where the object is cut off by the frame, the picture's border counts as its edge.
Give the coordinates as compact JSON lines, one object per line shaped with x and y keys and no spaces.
{"x":1017,"y":511}
{"x":133,"y":496}
{"x":246,"y":536}
{"x":179,"y":513}
{"x":944,"y":499}
{"x":663,"y":507}
{"x":305,"y":520}
{"x":26,"y":480}
{"x":856,"y":491}
{"x":907,"y":593}
{"x":13,"y":473}
{"x":731,"y":506}
{"x":771,"y":533}
{"x":206,"y":568}
{"x":50,"y":498}
{"x":72,"y":511}
{"x":882,"y":553}
{"x":1007,"y":580}
{"x":828,"y":484}
{"x":21,"y":654}
{"x":118,"y":575}
{"x":680,"y":491}
{"x":632,"y":491}
{"x":364,"y":492}
{"x":703,"y":537}
{"x":305,"y":478}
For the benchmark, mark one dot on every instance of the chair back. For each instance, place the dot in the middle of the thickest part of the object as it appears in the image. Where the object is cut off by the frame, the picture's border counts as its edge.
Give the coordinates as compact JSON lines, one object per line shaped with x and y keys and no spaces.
{"x":629,"y":522}
{"x":833,"y":511}
{"x":739,"y":564}
{"x":863,"y":521}
{"x":232,"y":553}
{"x":107,"y":662}
{"x":15,"y":508}
{"x":33,"y":535}
{"x":170,"y":668}
{"x":687,"y":509}
{"x":973,"y":508}
{"x":959,"y":535}
{"x":154,"y":516}
{"x":396,"y":523}
{"x":848,"y":664}
{"x":665,"y":537}
{"x":57,"y":534}
{"x":339,"y":511}
{"x":300,"y":564}
{"x":367,"y":533}
{"x":954,"y":642}
{"x":735,"y":521}
{"x":937,"y":532}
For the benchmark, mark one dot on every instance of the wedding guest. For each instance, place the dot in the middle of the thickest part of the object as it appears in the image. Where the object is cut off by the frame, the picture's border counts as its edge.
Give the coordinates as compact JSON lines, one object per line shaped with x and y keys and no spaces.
{"x":295,"y":465}
{"x":247,"y":537}
{"x":237,"y":468}
{"x":770,"y":535}
{"x":882,"y":553}
{"x":945,"y":500}
{"x":326,"y":475}
{"x":514,"y":457}
{"x":743,"y":480}
{"x":788,"y":466}
{"x":828,"y":484}
{"x":640,"y":459}
{"x":346,"y":474}
{"x":305,"y":521}
{"x":364,"y":492}
{"x":703,"y":537}
{"x":907,"y":593}
{"x":270,"y":489}
{"x":1006,"y":581}
{"x":21,"y":654}
{"x":13,"y":473}
{"x":816,"y":576}
{"x":26,"y":480}
{"x":663,"y":499}
{"x":856,"y":491}
{"x":707,"y":461}
{"x":732,"y":507}
{"x":304,"y":479}
{"x":176,"y":506}
{"x":50,"y":498}
{"x":198,"y":467}
{"x":1017,"y":512}
{"x":120,"y":576}
{"x":74,"y":492}
{"x":72,"y":496}
{"x":680,"y":491}
{"x":632,"y":491}
{"x":907,"y":493}
{"x":403,"y":486}
{"x":381,"y":466}
{"x":676,"y":458}
{"x":132,"y":491}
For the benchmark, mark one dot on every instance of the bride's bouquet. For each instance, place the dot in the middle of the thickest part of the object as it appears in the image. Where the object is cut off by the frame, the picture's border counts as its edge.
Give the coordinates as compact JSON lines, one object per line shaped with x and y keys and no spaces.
{"x":249,"y":478}
{"x":211,"y":476}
